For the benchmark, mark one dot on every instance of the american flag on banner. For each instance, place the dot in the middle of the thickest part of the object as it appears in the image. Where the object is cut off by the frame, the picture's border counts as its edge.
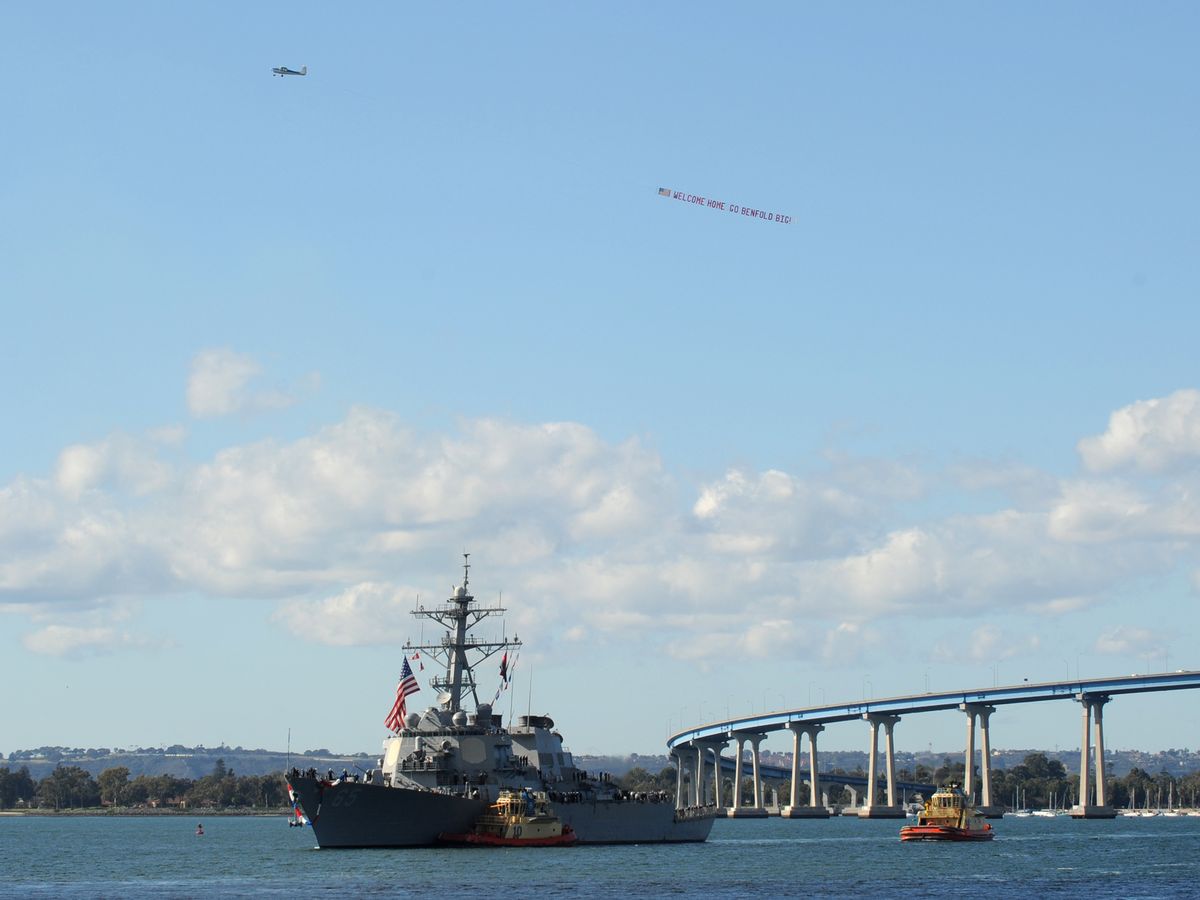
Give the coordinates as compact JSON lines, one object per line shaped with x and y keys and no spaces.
{"x":408,"y":685}
{"x":664,"y":192}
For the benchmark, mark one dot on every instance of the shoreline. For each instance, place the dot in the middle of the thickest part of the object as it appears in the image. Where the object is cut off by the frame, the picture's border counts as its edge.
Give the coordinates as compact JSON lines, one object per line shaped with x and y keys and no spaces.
{"x":133,"y":811}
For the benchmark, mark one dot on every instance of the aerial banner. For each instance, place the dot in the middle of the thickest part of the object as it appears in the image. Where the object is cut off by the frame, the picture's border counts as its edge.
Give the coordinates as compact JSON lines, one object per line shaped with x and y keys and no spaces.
{"x":709,"y":203}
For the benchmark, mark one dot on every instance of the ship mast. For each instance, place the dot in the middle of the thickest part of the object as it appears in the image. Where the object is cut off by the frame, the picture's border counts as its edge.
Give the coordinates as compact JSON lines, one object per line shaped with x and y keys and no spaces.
{"x":458,"y":617}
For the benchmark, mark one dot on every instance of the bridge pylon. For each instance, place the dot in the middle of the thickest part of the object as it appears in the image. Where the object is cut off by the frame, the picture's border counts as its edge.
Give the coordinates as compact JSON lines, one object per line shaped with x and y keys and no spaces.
{"x":815,"y":808}
{"x":1092,"y":703}
{"x":871,"y":809}
{"x":986,"y":808}
{"x":737,"y":810}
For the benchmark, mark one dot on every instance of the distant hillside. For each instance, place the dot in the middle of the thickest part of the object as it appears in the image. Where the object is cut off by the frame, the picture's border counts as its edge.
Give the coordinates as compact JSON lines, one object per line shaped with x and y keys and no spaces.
{"x":180,"y":761}
{"x":196,"y":762}
{"x":1117,"y":763}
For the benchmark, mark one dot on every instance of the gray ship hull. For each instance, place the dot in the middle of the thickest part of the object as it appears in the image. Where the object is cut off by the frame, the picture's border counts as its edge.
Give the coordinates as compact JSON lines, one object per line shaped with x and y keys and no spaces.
{"x":609,"y":822}
{"x":356,"y":814}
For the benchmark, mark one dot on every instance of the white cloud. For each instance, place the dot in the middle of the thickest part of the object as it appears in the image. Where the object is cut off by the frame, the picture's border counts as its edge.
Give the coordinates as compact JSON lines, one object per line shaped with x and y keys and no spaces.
{"x":76,"y":642}
{"x":967,"y":566}
{"x":882,"y":479}
{"x":726,"y":637}
{"x":1098,"y":511}
{"x":120,"y":460}
{"x":27,"y":512}
{"x":79,"y":468}
{"x":367,"y":613}
{"x":585,"y":536}
{"x":1025,"y":485}
{"x":721,"y":638}
{"x":217,"y":382}
{"x":1150,"y":435}
{"x":220,"y":384}
{"x":986,"y":644}
{"x":850,"y":642}
{"x":1105,"y":511}
{"x":773,"y":513}
{"x":1128,"y":640}
{"x":320,"y":513}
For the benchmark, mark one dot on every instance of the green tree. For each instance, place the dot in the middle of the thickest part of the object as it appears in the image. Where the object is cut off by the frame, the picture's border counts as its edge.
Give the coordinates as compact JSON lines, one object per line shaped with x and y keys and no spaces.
{"x":113,"y":784}
{"x":639,"y":779}
{"x":267,"y":791}
{"x":950,"y":771}
{"x":636,"y":779}
{"x":157,"y":790}
{"x":274,"y":794}
{"x":1037,"y":781}
{"x":1189,"y":787}
{"x":15,"y":787}
{"x":68,"y":786}
{"x":216,"y":790}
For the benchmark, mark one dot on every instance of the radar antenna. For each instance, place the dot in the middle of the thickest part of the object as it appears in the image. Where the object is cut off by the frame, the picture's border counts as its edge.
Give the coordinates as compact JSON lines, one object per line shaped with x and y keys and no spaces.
{"x":458,"y":617}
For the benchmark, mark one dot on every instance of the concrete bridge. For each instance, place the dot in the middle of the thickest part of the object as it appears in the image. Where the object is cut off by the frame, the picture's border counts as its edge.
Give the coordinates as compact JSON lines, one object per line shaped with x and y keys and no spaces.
{"x":856,"y":784}
{"x":693,"y":748}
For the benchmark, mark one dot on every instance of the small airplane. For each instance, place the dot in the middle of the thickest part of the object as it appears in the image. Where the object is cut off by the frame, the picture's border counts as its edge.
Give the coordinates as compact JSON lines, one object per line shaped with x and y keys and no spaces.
{"x":284,"y":70}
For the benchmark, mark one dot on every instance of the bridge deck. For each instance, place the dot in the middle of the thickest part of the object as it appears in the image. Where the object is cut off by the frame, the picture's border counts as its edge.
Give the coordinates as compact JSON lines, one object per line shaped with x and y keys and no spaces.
{"x":934,"y":702}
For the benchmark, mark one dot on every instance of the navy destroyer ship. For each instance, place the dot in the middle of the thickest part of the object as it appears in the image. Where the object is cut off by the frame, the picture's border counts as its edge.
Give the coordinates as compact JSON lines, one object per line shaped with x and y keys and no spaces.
{"x":444,"y":767}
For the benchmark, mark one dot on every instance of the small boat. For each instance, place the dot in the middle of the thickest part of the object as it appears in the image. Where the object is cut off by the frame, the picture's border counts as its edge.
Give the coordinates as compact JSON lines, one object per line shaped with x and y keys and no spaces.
{"x":1019,"y":809}
{"x":948,"y":817}
{"x":517,"y":819}
{"x":1171,"y":810}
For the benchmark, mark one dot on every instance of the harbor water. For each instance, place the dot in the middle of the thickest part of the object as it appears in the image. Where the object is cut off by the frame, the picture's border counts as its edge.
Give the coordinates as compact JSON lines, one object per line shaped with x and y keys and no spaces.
{"x":262,"y":857}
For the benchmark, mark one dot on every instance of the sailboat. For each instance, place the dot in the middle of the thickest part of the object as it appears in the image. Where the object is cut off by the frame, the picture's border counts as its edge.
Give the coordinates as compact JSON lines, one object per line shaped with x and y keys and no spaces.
{"x":1147,"y":812}
{"x":1193,"y":811}
{"x":1019,"y":809}
{"x":1047,"y":813}
{"x":1131,"y":809}
{"x":1171,"y":810}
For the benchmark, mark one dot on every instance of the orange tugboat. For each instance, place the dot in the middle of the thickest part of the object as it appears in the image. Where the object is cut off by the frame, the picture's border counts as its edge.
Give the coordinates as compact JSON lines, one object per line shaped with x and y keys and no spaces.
{"x":948,"y":817}
{"x":517,"y":819}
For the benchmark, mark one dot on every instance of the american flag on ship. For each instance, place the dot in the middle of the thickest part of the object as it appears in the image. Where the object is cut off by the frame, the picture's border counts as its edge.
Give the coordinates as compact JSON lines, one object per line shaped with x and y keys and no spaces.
{"x":408,"y":685}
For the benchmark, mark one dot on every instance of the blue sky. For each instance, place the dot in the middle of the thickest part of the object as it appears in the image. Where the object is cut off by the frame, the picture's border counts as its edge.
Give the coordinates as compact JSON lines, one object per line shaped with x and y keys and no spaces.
{"x":278,"y":350}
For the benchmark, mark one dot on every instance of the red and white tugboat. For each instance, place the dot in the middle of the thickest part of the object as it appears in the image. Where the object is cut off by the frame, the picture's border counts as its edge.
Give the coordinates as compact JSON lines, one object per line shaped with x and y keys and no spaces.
{"x":517,"y":819}
{"x":948,"y":816}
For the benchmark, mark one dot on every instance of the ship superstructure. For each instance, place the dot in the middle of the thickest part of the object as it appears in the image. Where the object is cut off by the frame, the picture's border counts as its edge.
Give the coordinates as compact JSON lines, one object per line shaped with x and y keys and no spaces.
{"x":458,"y":617}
